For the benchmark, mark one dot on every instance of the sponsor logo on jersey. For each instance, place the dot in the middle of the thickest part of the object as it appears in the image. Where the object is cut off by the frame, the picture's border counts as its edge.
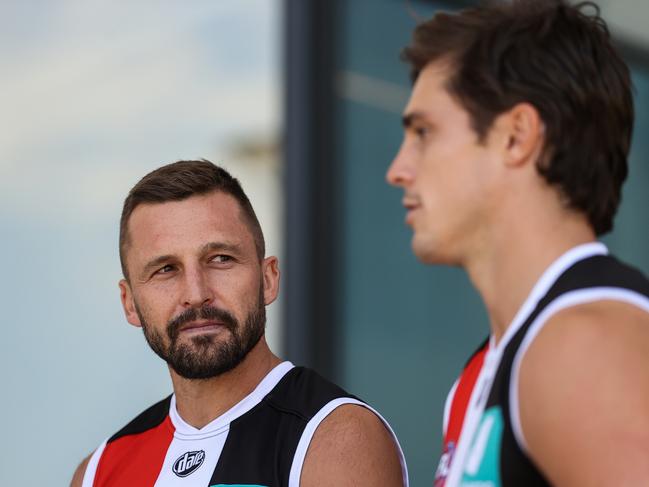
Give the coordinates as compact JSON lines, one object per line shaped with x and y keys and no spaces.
{"x":188,"y":463}
{"x":482,"y":465}
{"x":444,"y":464}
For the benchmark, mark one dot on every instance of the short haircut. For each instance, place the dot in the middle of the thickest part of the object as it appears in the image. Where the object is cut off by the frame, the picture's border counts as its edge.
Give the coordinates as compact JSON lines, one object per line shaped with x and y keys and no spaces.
{"x":557,"y":57}
{"x":178,"y":181}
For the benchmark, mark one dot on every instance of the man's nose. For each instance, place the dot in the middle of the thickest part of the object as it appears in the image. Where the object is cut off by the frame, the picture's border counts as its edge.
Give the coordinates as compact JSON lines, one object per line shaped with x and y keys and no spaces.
{"x":399,"y":173}
{"x":197,"y":291}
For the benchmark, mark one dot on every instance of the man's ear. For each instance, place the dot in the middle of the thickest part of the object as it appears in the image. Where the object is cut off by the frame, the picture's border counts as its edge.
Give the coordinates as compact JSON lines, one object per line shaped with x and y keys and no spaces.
{"x":270,"y":275}
{"x":525,"y":133}
{"x":126,"y":295}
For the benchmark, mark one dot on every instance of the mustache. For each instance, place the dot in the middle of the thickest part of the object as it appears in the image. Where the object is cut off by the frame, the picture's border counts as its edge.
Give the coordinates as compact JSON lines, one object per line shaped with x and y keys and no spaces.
{"x":203,"y":313}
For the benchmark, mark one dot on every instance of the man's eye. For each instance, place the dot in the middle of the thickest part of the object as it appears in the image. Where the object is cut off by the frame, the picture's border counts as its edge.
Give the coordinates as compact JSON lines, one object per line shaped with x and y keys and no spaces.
{"x":221,"y":258}
{"x":421,"y":132}
{"x":165,"y":269}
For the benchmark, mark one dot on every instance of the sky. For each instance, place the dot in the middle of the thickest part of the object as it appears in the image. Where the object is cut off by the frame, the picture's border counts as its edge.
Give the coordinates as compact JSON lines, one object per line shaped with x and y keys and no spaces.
{"x":93,"y":95}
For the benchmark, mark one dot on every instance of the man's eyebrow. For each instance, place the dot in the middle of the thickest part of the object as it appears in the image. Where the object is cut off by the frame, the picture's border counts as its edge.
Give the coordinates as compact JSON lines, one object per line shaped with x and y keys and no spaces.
{"x":222,"y":246}
{"x":155,"y":262}
{"x":208,"y":247}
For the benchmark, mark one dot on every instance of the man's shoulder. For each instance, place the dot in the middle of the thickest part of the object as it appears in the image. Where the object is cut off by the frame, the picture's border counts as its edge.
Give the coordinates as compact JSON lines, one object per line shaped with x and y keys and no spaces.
{"x":591,"y":328}
{"x":352,"y":444}
{"x":584,"y":381}
{"x":588,"y":334}
{"x":148,"y":419}
{"x":345,"y":440}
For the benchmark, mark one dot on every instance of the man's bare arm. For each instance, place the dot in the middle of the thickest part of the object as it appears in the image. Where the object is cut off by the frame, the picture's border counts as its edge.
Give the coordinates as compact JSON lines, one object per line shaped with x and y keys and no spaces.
{"x":584,"y":396}
{"x":352,"y":447}
{"x":77,"y":478}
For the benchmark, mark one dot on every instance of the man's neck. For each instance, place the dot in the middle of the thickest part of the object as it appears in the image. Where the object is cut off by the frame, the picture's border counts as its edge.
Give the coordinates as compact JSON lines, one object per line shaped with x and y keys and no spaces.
{"x":506,"y":269}
{"x":199,"y":402}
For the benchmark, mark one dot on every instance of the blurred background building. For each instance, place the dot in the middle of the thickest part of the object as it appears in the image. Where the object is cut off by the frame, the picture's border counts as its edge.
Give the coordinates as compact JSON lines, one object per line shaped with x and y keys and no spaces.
{"x":93,"y":95}
{"x":301,"y":99}
{"x":359,"y":306}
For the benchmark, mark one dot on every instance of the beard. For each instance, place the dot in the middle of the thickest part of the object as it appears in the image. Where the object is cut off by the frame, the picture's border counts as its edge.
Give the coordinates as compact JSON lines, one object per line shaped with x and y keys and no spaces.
{"x":207,"y":356}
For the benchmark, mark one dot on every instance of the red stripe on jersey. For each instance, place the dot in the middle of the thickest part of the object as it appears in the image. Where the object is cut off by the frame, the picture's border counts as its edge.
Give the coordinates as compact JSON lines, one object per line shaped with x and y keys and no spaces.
{"x":462,"y":395}
{"x":459,"y":405}
{"x":135,"y":459}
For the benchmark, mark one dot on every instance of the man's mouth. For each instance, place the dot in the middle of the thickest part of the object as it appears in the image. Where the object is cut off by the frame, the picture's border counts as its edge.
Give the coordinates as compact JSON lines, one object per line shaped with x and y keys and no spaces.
{"x":411,"y":204}
{"x":203,"y":326}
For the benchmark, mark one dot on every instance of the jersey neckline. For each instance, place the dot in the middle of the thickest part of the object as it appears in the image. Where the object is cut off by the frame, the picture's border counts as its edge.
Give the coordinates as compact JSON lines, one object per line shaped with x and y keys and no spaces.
{"x":543,"y":285}
{"x":184,"y":430}
{"x":482,"y":388}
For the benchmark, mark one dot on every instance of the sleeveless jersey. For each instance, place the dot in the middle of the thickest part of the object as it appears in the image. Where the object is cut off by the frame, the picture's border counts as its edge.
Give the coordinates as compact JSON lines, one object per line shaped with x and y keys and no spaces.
{"x":455,"y":410}
{"x":491,"y":450}
{"x":260,"y":442}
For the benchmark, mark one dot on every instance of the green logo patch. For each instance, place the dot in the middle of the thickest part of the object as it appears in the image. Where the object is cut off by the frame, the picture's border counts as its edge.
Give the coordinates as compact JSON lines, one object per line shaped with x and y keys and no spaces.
{"x":482,"y":465}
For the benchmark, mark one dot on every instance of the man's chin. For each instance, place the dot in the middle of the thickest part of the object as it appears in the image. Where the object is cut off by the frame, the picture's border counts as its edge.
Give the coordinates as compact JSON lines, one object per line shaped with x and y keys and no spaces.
{"x":429,"y":252}
{"x":201,"y":371}
{"x":204,"y":358}
{"x":423,"y":250}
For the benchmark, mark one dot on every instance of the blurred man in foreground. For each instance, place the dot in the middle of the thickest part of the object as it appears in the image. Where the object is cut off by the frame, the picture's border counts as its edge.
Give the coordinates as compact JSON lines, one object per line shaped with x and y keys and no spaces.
{"x":515,"y":150}
{"x":196,"y":280}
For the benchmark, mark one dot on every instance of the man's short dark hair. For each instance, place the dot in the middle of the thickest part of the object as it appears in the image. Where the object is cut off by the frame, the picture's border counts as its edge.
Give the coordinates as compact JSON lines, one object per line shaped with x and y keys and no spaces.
{"x":178,"y":181}
{"x":559,"y":58}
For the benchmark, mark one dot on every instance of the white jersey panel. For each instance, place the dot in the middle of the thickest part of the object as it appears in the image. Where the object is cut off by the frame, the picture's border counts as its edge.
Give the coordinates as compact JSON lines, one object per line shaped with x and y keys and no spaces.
{"x":91,"y":468}
{"x":192,"y":462}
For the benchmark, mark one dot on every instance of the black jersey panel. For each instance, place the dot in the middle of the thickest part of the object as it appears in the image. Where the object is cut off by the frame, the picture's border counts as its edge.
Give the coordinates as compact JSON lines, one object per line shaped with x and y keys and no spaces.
{"x":516,"y":468}
{"x":260,"y":448}
{"x":303,"y":392}
{"x":148,"y":419}
{"x":261,"y":444}
{"x":597,"y":271}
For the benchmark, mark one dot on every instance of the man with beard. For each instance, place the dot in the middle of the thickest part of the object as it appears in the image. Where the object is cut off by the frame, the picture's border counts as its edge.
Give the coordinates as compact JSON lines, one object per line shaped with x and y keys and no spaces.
{"x":515,"y":149}
{"x":197,"y":282}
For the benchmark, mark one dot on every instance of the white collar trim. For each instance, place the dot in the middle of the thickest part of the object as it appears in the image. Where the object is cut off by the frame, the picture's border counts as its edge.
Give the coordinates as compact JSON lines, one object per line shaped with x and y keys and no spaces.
{"x":545,"y":282}
{"x":222,"y":423}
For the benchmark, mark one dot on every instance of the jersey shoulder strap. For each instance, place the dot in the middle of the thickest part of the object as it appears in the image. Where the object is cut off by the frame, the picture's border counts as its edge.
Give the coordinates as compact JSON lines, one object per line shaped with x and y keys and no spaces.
{"x":148,"y":419}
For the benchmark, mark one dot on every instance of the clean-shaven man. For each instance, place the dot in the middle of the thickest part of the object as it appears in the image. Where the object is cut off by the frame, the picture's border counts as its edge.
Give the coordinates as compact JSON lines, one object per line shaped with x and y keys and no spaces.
{"x":517,"y":133}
